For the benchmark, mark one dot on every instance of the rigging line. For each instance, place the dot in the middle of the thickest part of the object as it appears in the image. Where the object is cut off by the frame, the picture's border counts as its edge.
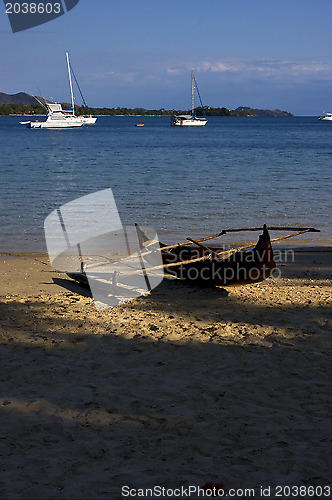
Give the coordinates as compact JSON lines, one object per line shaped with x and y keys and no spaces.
{"x":79,"y":88}
{"x":42,"y":104}
{"x":199,"y":96}
{"x":41,"y":97}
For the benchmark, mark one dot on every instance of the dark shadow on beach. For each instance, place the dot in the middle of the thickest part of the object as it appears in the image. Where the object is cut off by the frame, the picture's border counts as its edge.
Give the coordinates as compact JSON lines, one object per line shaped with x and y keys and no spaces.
{"x":73,"y":286}
{"x":94,"y":402}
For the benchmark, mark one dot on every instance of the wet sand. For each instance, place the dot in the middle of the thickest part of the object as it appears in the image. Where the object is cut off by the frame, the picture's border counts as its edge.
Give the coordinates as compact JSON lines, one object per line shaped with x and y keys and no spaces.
{"x":184,"y":386}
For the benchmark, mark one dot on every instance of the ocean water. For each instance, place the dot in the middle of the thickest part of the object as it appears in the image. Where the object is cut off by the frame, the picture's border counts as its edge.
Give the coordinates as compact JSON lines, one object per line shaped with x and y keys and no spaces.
{"x":234,"y":172}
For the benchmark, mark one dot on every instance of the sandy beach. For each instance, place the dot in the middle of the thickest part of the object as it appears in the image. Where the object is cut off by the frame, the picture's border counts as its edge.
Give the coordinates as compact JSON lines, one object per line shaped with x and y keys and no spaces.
{"x":184,"y":386}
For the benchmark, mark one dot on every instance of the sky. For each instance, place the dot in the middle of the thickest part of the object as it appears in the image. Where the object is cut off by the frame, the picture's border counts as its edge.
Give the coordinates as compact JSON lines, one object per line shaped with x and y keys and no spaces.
{"x":139,"y":53}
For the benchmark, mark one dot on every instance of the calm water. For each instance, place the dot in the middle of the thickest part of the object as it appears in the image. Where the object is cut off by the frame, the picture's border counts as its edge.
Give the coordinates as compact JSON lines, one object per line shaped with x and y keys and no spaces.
{"x":235,"y":172}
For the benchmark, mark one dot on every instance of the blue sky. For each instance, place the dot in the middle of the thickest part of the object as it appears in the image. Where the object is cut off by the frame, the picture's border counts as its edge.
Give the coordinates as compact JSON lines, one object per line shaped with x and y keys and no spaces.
{"x":139,"y":53}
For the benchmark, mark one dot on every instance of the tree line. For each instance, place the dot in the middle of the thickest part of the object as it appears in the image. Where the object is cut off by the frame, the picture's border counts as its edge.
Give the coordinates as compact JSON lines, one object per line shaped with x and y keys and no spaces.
{"x":36,"y":109}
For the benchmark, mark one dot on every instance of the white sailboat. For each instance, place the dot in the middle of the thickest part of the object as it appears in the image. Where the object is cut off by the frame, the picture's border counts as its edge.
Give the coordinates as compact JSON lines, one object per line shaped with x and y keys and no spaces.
{"x":190,"y":120}
{"x":86,"y":120}
{"x":58,"y":118}
{"x":326,"y":116}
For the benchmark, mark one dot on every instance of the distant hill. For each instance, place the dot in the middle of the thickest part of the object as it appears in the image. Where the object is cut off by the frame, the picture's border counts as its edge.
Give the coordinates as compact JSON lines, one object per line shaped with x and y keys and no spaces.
{"x":20,"y":98}
{"x":262,"y":112}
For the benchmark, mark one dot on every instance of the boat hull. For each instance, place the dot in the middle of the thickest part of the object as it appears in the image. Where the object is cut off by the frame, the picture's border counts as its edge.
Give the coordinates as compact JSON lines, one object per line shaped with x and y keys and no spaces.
{"x":203,"y":267}
{"x":50,"y":126}
{"x":190,"y":122}
{"x":250,"y":266}
{"x":88,"y":120}
{"x":51,"y":122}
{"x":326,"y":117}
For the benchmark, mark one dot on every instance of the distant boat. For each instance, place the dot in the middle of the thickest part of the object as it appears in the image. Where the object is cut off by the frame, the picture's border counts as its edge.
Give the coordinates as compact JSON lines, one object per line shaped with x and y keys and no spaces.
{"x":87,"y":120}
{"x":190,"y":120}
{"x":327,"y":116}
{"x":58,"y":118}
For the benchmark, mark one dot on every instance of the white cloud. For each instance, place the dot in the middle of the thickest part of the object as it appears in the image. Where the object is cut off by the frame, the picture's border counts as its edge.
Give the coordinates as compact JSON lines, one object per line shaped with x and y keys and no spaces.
{"x":99,"y":76}
{"x":144,"y":71}
{"x":284,"y":69}
{"x":269,"y":69}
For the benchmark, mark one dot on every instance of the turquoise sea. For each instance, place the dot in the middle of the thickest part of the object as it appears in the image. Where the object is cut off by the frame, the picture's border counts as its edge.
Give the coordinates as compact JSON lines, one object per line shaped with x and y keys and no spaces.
{"x":234,"y":172}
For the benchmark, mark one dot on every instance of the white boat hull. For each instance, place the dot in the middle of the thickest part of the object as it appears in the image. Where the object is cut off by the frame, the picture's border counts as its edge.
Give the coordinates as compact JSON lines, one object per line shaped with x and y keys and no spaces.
{"x":68,"y":121}
{"x":326,"y":117}
{"x":54,"y":124}
{"x":188,"y":122}
{"x":88,"y":120}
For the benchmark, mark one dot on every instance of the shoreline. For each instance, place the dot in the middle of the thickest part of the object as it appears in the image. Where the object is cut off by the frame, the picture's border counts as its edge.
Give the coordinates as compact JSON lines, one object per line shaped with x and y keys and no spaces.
{"x":180,"y":112}
{"x":325,"y":245}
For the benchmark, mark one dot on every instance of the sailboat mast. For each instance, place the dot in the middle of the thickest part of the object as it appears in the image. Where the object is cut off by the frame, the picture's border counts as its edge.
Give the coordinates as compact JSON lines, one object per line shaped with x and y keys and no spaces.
{"x":70,"y":83}
{"x":192,"y":94}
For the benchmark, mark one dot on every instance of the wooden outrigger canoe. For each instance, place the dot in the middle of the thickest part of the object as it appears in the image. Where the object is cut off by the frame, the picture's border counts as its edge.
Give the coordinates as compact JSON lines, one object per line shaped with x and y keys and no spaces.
{"x":196,"y":263}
